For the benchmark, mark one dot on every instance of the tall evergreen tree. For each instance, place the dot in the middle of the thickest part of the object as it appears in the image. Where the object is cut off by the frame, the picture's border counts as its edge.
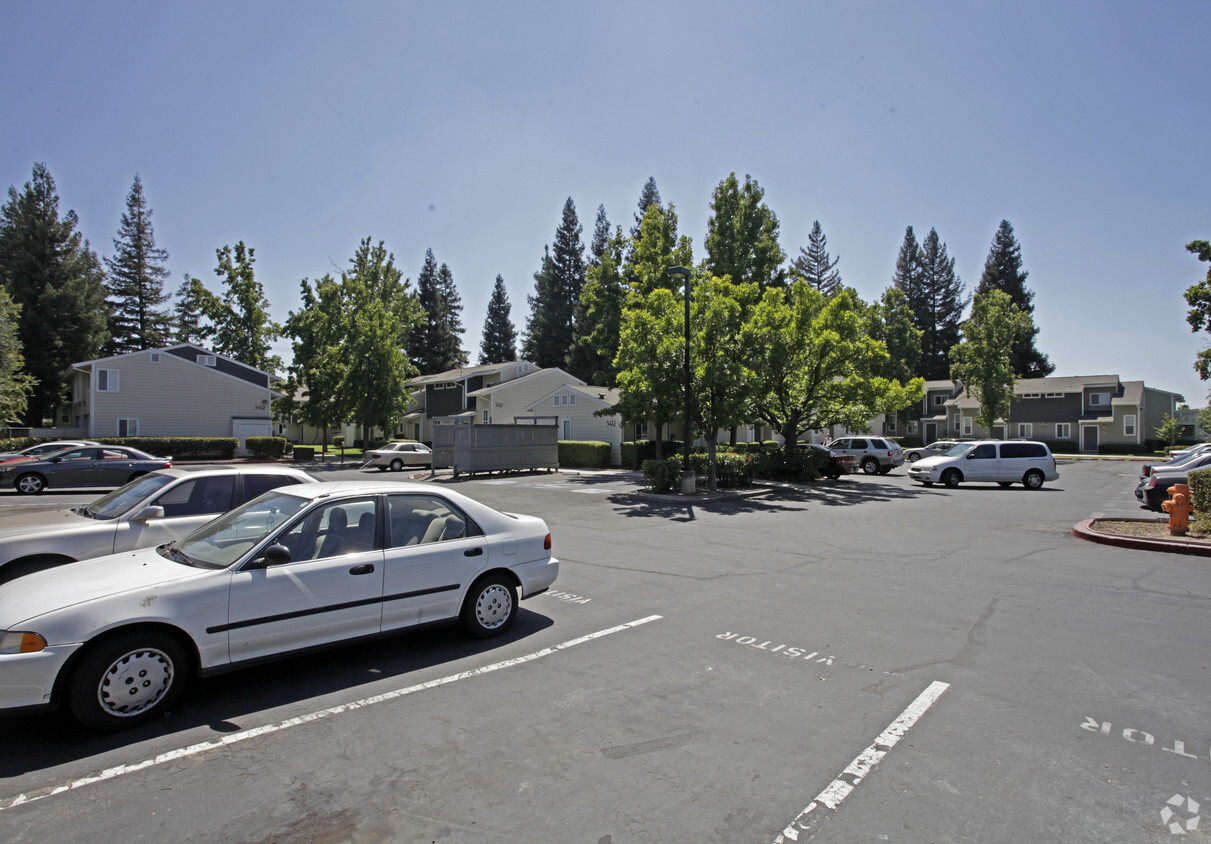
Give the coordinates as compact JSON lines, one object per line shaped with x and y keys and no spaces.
{"x":601,"y":237}
{"x":135,"y":285}
{"x":815,"y":266}
{"x":556,"y":291}
{"x":648,"y":197}
{"x":49,"y":270}
{"x":499,"y":343}
{"x":243,"y":329}
{"x":1003,"y":271}
{"x":742,"y":236}
{"x":15,"y":383}
{"x":190,"y":313}
{"x":943,"y":304}
{"x":436,"y":344}
{"x":599,"y":318}
{"x":907,"y":276}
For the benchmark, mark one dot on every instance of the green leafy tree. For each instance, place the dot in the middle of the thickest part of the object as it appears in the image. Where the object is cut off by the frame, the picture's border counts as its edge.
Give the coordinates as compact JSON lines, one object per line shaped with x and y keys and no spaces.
{"x":941,"y":305}
{"x":243,"y":329}
{"x":815,"y":364}
{"x":742,"y":236}
{"x":892,"y":323}
{"x":721,"y":377}
{"x":1198,"y":297}
{"x":649,"y":196}
{"x":436,"y":342}
{"x":557,"y":287}
{"x":1003,"y":271}
{"x":49,"y":270}
{"x":815,"y":266}
{"x":1169,"y":430}
{"x":135,"y":285}
{"x":651,"y":360}
{"x":499,"y":343}
{"x":15,"y":383}
{"x":983,"y":362}
{"x":656,"y":248}
{"x":193,"y":302}
{"x":599,"y":318}
{"x":317,"y":371}
{"x":1204,"y":418}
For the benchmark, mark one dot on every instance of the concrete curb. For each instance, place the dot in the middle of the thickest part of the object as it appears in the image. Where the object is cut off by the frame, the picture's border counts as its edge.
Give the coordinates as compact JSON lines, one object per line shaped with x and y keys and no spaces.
{"x":1083,"y":530}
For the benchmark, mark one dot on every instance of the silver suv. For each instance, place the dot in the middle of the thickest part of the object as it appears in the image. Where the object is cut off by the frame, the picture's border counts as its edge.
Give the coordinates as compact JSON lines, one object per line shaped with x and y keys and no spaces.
{"x":874,"y":454}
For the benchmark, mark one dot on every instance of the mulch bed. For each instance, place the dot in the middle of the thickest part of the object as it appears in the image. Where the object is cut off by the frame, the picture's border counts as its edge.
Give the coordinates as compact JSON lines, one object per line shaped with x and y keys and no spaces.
{"x":1146,"y":528}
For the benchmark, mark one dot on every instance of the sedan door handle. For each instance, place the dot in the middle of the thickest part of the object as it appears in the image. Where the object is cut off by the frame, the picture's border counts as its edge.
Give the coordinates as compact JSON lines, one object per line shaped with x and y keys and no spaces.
{"x":473,"y":552}
{"x":364,"y":568}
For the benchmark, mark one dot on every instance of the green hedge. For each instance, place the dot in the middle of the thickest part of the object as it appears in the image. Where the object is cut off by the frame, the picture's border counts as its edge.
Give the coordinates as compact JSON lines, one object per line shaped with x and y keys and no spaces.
{"x":266,"y":447}
{"x":802,"y":465}
{"x":731,"y":469}
{"x":1200,"y":489}
{"x":177,"y":447}
{"x":634,"y":453}
{"x":663,"y":476}
{"x":584,"y":454}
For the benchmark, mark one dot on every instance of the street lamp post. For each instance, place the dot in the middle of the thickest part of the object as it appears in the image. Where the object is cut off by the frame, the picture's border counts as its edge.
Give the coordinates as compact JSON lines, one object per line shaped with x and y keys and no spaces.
{"x":684,"y":274}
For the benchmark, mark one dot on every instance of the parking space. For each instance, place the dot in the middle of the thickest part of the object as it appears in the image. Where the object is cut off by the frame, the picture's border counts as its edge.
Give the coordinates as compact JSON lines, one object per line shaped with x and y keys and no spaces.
{"x":710,"y":672}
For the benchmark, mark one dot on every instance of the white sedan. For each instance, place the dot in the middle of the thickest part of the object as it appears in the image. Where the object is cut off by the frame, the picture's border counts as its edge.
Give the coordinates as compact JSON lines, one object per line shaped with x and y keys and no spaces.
{"x":397,"y":455}
{"x":114,"y":639}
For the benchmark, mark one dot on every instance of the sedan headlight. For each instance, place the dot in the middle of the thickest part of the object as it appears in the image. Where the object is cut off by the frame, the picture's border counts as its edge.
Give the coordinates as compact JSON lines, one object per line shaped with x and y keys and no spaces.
{"x":20,"y":642}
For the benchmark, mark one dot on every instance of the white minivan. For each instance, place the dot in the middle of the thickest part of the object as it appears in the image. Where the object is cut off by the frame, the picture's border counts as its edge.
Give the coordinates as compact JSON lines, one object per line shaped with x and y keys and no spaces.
{"x":990,"y":461}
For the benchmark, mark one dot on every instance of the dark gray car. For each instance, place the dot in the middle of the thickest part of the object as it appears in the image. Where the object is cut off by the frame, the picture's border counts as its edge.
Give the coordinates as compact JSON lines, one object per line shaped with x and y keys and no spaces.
{"x":88,"y":466}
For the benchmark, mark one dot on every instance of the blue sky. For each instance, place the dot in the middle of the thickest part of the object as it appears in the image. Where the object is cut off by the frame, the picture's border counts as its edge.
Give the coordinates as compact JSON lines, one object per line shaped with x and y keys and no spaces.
{"x":303,"y":127}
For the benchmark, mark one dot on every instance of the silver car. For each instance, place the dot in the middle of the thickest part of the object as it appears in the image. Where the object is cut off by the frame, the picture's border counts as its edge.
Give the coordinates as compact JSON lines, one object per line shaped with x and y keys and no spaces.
{"x":397,"y":455}
{"x":37,"y":452}
{"x":155,"y":508}
{"x":912,"y":455}
{"x":874,"y":454}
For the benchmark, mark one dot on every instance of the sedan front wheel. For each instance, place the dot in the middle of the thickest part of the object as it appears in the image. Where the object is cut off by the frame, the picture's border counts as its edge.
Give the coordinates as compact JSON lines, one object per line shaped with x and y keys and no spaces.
{"x":127,"y":680}
{"x":30,"y":484}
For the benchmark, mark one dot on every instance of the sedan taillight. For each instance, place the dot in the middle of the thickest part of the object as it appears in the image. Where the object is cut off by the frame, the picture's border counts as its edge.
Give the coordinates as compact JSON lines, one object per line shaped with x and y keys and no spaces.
{"x":546,"y":543}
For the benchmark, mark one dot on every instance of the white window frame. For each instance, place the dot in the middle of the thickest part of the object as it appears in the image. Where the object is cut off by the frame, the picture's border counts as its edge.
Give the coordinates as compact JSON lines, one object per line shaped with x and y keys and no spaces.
{"x":130,"y":422}
{"x":1026,"y":430}
{"x":967,"y":420}
{"x":958,"y":421}
{"x":208,"y":360}
{"x":566,"y":428}
{"x":1099,"y":400}
{"x":1128,"y":424}
{"x":939,"y":399}
{"x":1063,"y":430}
{"x":112,"y":379}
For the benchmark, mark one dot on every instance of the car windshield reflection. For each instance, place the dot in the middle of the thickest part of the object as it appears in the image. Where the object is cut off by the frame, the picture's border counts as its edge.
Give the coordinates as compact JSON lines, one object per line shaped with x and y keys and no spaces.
{"x":960,"y":448}
{"x":122,"y":499}
{"x":222,"y":542}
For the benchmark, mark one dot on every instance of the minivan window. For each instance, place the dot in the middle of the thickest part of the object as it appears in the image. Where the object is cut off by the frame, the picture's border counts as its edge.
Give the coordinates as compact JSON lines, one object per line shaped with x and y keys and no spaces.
{"x":983,"y":451}
{"x":958,"y":449}
{"x":1023,"y":450}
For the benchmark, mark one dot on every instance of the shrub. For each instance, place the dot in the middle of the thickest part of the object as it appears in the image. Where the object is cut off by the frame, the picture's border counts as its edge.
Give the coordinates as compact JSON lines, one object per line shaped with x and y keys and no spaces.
{"x":802,"y":465}
{"x":1200,"y":490}
{"x":584,"y":454}
{"x":662,"y":475}
{"x":178,"y":447}
{"x":266,"y":447}
{"x":731,"y":469}
{"x":634,"y":453}
{"x":338,"y":441}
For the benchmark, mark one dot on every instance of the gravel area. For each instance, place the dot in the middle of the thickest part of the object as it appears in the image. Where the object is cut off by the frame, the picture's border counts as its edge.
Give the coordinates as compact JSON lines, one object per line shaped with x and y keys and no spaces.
{"x":1158,"y":529}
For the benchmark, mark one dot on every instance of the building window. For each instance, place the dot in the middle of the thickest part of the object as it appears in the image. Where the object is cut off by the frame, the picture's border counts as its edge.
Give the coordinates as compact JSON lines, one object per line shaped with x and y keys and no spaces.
{"x":1030,"y":395}
{"x":1063,"y":431}
{"x":444,"y":385}
{"x":1026,"y":429}
{"x":1055,"y":395}
{"x":1099,"y":399}
{"x":484,"y":416}
{"x":939,"y":399}
{"x":108,"y":380}
{"x":967,"y":426}
{"x":912,"y":427}
{"x":208,"y":360}
{"x":567,"y":429}
{"x":1129,"y":425}
{"x":128,"y":427}
{"x":155,"y":357}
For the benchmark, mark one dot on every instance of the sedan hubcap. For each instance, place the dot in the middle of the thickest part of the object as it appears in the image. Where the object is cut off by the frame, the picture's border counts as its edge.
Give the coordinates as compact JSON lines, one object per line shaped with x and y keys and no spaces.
{"x":493,"y":607}
{"x":135,"y":682}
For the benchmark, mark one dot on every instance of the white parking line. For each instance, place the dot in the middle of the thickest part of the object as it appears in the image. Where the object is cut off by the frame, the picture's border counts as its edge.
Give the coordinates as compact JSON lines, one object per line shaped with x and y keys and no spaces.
{"x":865,"y":762}
{"x":233,"y":738}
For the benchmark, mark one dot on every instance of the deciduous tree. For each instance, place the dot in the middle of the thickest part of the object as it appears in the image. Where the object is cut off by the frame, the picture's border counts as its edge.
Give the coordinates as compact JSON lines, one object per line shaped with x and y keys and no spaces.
{"x":15,"y":383}
{"x":1198,"y":297}
{"x":243,"y":329}
{"x":983,"y":361}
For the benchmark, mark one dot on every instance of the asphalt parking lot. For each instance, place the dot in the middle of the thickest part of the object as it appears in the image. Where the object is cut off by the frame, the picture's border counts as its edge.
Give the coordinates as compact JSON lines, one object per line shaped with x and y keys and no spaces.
{"x":866,"y":660}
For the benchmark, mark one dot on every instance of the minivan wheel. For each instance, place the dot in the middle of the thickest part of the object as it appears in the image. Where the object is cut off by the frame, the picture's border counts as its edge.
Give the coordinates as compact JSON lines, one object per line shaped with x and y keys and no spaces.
{"x":1033,"y":479}
{"x":870,"y":466}
{"x":951,"y":478}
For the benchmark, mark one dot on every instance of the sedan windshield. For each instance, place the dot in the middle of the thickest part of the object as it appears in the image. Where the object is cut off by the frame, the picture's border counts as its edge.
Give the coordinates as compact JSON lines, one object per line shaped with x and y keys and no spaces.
{"x":122,"y":499}
{"x":222,"y":542}
{"x":957,"y":449}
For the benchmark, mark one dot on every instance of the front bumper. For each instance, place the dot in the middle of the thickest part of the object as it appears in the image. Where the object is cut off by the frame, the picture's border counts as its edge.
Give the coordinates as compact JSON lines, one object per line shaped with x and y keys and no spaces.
{"x":27,"y":681}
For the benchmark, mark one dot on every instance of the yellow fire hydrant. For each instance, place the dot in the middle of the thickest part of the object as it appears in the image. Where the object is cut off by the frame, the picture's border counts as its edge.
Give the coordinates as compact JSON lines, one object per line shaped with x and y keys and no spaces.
{"x":1179,"y":509}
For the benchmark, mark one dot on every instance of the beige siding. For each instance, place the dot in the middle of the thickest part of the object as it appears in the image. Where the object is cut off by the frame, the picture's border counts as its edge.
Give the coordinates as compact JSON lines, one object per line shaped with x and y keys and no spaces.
{"x":514,"y":398}
{"x":586,"y":426}
{"x":174,"y":398}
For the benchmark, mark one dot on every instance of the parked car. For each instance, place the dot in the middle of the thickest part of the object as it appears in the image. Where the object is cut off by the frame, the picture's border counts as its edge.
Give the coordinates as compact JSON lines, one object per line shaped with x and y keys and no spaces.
{"x":152,"y":509}
{"x":1172,"y":464}
{"x":86,"y":466}
{"x":1185,"y":452}
{"x":912,"y":455}
{"x":40,"y":450}
{"x":1152,"y":490}
{"x":397,"y":455}
{"x":114,"y":639}
{"x":874,"y":454}
{"x":834,"y":463}
{"x":997,"y":461}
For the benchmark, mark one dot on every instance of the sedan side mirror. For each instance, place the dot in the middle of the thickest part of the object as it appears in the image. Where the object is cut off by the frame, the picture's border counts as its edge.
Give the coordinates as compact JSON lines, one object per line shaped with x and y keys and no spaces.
{"x":275,"y":555}
{"x":148,"y":513}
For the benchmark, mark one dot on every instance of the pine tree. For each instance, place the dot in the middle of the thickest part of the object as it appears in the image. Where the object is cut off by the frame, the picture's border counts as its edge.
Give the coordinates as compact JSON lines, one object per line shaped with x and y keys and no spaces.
{"x":648,"y":197}
{"x":499,"y":343}
{"x":435,"y":343}
{"x":943,"y":304}
{"x":742,"y":236}
{"x":243,"y":329}
{"x":601,"y":237}
{"x":135,"y":285}
{"x":15,"y":383}
{"x":556,"y":291}
{"x":191,"y":313}
{"x":599,"y":318}
{"x":815,"y":266}
{"x":49,"y":270}
{"x":1003,"y":271}
{"x":907,"y":277}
